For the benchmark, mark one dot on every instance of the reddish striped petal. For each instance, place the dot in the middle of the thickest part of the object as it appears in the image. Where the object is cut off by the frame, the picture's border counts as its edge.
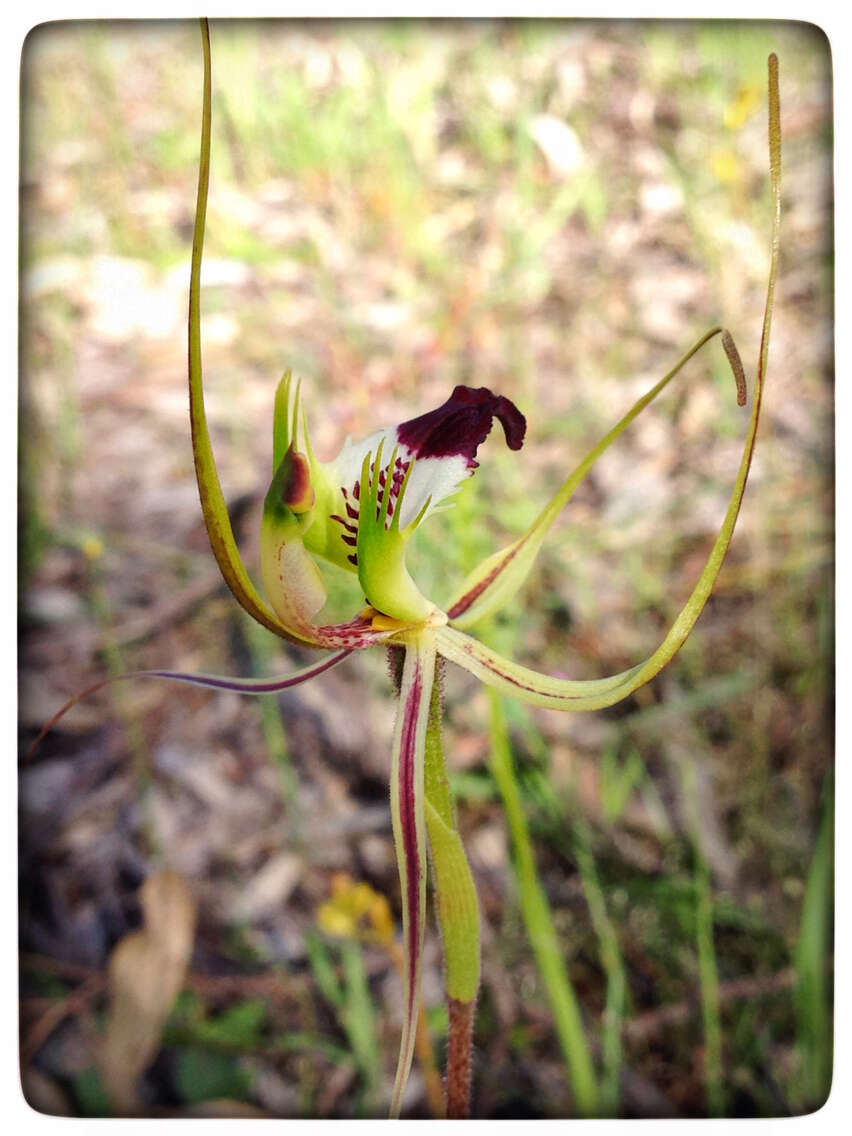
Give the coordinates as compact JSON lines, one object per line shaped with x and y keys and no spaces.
{"x":409,"y":825}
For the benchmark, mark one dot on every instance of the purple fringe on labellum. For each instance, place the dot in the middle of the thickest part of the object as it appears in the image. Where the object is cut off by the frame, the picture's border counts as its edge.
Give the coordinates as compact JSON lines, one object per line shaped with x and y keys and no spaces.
{"x":461,"y":424}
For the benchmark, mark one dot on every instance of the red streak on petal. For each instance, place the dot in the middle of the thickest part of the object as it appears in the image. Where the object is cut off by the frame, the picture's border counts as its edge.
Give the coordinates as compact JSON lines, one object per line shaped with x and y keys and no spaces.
{"x":464,"y":602}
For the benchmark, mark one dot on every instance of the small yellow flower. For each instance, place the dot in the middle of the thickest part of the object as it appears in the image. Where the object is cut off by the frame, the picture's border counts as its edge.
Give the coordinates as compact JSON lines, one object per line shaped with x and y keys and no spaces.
{"x":725,"y":166}
{"x":743,"y":106}
{"x":356,"y":911}
{"x":92,"y":548}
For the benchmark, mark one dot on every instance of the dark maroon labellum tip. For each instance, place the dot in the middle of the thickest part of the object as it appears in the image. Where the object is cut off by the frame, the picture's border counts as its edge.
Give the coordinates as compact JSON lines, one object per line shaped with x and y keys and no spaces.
{"x":462,"y":424}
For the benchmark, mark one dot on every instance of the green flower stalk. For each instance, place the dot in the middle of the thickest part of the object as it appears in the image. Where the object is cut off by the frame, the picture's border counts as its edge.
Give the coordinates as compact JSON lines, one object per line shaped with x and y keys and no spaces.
{"x":359,"y":512}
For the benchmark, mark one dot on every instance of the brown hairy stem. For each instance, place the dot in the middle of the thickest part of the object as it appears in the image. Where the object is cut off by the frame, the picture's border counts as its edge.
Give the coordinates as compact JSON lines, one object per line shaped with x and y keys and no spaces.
{"x":459,"y":1047}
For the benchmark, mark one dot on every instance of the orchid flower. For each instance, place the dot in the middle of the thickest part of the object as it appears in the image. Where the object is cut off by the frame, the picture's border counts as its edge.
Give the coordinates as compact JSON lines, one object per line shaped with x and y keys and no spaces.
{"x":358,"y":512}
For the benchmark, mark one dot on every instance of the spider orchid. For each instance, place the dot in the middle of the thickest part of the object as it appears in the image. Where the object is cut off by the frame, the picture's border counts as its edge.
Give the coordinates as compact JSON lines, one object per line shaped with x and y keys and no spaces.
{"x":359,"y":512}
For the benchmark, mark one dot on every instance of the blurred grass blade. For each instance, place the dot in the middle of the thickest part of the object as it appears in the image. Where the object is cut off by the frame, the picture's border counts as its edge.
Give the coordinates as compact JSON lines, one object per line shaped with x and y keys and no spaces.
{"x":359,"y":1020}
{"x":813,"y":950}
{"x":708,"y":973}
{"x":322,"y":970}
{"x":539,"y":922}
{"x":613,"y":964}
{"x":709,"y":982}
{"x":618,"y":781}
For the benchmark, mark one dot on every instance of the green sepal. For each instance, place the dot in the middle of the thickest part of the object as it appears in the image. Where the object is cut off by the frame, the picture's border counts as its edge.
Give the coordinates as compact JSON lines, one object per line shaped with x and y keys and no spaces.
{"x":216,"y":519}
{"x":284,"y":418}
{"x":494,"y":582}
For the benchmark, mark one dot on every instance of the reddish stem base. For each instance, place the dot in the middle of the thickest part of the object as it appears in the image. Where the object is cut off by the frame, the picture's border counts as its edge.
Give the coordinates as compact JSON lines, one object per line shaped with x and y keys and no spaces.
{"x":459,"y":1046}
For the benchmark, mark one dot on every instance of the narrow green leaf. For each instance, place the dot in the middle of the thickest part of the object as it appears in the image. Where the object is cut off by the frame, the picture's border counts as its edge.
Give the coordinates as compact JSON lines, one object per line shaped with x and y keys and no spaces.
{"x":539,"y":922}
{"x":458,"y":910}
{"x":455,"y":891}
{"x":812,"y":954}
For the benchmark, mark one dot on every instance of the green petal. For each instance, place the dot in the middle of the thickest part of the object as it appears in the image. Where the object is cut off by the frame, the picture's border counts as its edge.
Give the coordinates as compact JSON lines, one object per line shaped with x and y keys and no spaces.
{"x":594,"y":694}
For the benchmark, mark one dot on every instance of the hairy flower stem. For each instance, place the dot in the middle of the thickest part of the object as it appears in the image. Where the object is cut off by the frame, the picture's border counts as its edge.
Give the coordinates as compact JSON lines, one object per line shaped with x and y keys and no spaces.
{"x":459,"y":1047}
